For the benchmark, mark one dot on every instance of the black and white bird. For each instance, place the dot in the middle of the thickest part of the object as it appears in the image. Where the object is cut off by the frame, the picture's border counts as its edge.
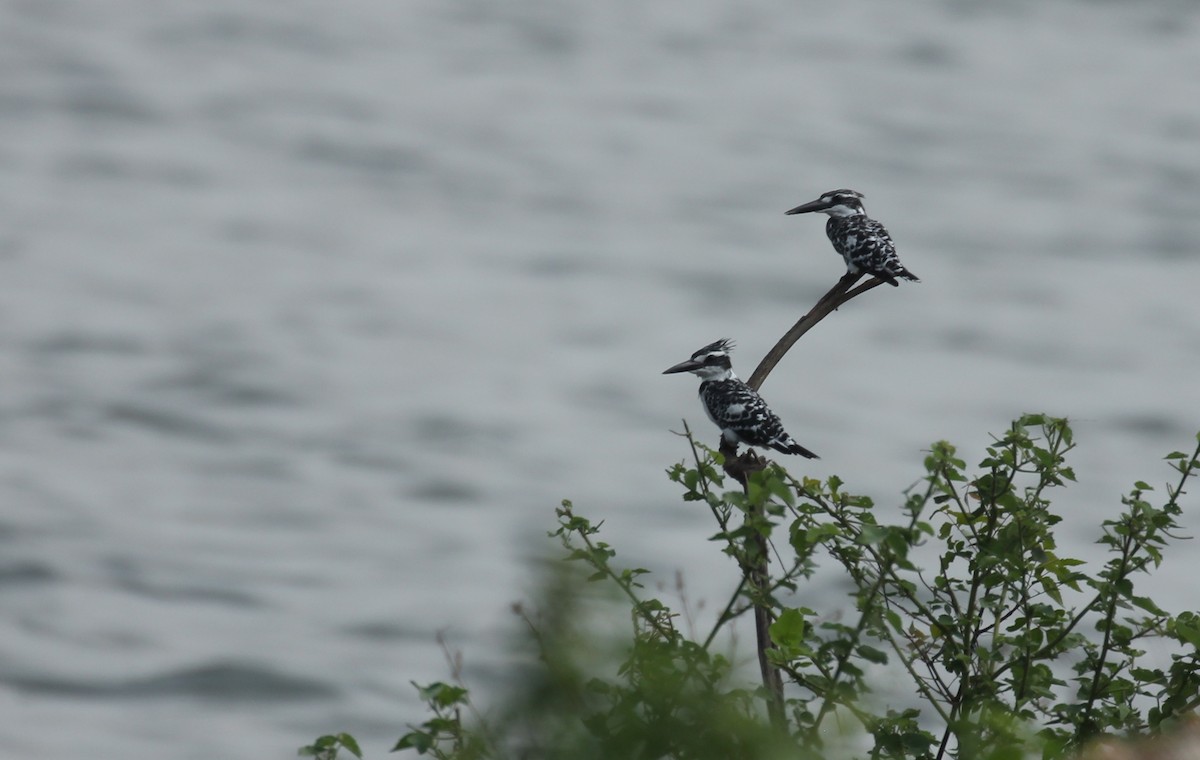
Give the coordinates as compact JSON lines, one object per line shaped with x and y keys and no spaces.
{"x":863,"y":242}
{"x":733,"y":406}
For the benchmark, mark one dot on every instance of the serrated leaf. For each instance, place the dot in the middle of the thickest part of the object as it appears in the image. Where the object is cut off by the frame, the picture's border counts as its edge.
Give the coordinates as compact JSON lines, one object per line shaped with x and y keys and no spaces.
{"x":1147,"y":675}
{"x":1147,"y":604}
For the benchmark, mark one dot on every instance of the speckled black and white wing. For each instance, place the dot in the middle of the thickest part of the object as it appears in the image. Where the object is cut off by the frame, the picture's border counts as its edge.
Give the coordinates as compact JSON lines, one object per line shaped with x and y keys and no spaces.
{"x":866,"y":247}
{"x":744,"y":417}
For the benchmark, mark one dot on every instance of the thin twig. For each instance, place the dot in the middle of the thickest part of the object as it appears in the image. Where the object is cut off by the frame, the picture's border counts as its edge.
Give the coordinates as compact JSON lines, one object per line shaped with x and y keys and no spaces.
{"x":726,"y":615}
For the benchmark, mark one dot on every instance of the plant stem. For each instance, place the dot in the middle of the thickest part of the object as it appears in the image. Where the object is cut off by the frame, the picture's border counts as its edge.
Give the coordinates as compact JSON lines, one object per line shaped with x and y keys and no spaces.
{"x":638,"y":605}
{"x":1128,"y":546}
{"x":756,"y":570}
{"x":772,"y":681}
{"x":726,"y":614}
{"x":844,"y":657}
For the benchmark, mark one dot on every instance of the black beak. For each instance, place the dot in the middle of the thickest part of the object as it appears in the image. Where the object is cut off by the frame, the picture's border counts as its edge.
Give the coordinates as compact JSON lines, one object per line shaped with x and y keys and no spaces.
{"x":686,"y":366}
{"x":817,"y":205}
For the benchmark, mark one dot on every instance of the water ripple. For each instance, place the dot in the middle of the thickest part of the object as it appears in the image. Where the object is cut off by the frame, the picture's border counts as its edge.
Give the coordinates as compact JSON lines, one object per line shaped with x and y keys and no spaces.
{"x":223,"y":682}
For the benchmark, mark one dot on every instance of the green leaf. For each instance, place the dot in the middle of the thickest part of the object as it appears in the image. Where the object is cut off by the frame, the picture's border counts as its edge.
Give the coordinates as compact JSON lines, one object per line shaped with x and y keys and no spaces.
{"x":871,"y":654}
{"x":417,"y":740}
{"x":323,"y":747}
{"x":350,"y":744}
{"x":788,"y":629}
{"x":1051,"y":589}
{"x":1187,"y":628}
{"x":782,"y":491}
{"x":441,"y":694}
{"x":872,"y":535}
{"x":1147,"y":604}
{"x":1148,"y":675}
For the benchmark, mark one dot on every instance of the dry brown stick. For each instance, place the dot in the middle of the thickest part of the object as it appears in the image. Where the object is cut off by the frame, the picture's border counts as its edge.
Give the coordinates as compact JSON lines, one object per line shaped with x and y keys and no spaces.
{"x":771,"y":678}
{"x":755,"y":569}
{"x":837,"y":295}
{"x":739,"y":468}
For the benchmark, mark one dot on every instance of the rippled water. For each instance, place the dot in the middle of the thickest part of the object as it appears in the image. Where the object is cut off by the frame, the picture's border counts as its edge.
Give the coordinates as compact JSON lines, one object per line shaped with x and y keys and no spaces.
{"x":310,"y":313}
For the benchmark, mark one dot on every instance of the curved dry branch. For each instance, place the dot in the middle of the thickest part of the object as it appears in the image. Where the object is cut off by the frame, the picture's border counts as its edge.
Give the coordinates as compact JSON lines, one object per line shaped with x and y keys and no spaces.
{"x":739,"y":468}
{"x":837,"y":295}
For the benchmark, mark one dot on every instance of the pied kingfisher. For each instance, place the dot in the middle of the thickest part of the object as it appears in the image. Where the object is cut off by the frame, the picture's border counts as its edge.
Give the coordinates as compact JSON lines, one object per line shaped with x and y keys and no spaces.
{"x":863,"y":242}
{"x":733,"y":406}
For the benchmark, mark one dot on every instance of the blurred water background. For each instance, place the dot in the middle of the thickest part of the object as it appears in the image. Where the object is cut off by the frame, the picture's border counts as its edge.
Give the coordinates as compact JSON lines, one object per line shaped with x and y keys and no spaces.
{"x":311,"y":312}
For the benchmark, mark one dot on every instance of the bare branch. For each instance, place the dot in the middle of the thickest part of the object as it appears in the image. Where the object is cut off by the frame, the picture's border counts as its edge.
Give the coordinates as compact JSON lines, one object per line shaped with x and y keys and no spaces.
{"x":837,"y":295}
{"x":740,"y":466}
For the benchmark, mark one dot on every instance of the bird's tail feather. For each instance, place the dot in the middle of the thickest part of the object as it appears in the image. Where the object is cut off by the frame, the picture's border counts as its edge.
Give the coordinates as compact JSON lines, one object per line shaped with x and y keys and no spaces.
{"x":789,"y":446}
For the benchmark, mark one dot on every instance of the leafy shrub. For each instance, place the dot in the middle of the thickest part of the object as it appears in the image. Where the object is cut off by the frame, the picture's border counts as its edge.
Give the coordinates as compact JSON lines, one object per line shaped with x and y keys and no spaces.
{"x":1002,"y":646}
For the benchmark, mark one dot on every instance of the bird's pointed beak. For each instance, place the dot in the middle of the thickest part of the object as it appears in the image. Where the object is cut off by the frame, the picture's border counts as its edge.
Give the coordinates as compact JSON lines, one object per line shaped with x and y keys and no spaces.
{"x":817,"y":205}
{"x":686,"y":366}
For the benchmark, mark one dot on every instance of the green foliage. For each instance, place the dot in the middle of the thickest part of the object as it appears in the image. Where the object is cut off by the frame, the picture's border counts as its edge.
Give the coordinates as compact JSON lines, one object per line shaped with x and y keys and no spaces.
{"x":443,"y":736}
{"x":992,"y":642}
{"x":327,"y":747}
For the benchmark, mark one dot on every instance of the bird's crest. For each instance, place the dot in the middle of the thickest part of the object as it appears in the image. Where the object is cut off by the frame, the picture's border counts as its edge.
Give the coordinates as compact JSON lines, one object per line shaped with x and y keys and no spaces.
{"x":722,"y":346}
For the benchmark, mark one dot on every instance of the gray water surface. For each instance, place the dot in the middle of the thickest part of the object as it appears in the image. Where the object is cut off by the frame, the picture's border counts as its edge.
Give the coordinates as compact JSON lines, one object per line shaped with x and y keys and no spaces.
{"x":311,"y":313}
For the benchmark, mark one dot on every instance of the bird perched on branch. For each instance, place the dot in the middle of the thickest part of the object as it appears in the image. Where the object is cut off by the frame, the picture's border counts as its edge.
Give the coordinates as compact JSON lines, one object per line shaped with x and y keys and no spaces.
{"x":733,"y":406}
{"x":863,"y":242}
